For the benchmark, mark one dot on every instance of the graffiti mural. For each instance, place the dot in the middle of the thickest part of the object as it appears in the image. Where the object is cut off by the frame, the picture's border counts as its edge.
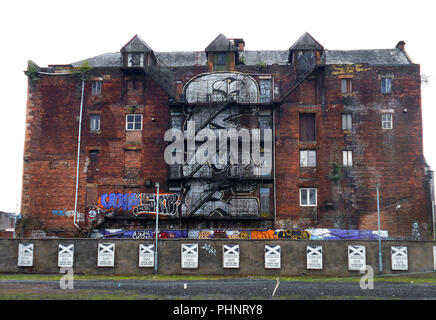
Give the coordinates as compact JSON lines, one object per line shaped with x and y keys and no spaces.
{"x":168,"y":204}
{"x":219,"y":86}
{"x":119,"y":201}
{"x":308,"y":234}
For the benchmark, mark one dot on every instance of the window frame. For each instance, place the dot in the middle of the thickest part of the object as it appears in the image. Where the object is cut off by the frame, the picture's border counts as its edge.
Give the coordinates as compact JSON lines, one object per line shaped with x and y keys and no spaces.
{"x":134,"y":121}
{"x":347,"y":119}
{"x":348,"y":87}
{"x":308,"y":204}
{"x":385,"y":81}
{"x":91,"y":116}
{"x":390,"y":121}
{"x":95,"y":91}
{"x":347,"y":158}
{"x":306,"y":164}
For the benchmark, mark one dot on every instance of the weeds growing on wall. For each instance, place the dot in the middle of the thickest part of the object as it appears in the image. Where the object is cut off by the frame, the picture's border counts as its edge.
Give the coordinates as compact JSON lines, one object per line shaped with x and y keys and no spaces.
{"x":83,"y":70}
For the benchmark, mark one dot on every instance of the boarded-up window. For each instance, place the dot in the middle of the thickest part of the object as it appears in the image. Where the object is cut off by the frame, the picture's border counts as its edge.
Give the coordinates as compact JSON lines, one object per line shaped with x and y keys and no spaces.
{"x":264,"y":200}
{"x":265,"y":91}
{"x":347,"y":121}
{"x":307,"y":127}
{"x":346,"y":85}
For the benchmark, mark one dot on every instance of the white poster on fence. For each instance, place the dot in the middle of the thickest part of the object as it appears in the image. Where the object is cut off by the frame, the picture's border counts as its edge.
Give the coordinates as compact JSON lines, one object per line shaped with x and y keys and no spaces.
{"x":356,"y":257}
{"x":231,"y":256}
{"x":146,"y":255}
{"x":434,"y":258}
{"x":399,"y":258}
{"x":272,"y":257}
{"x":189,"y":256}
{"x":25,"y":255}
{"x":65,"y":255}
{"x":314,"y":257}
{"x":106,"y":255}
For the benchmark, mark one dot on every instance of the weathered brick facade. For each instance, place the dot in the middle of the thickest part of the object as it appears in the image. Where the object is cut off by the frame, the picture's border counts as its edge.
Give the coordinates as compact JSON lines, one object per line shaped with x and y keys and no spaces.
{"x":278,"y":90}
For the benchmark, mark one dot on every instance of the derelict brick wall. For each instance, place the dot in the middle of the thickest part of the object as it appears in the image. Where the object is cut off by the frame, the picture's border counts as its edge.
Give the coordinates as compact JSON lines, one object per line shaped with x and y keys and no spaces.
{"x":293,"y":256}
{"x":393,"y":158}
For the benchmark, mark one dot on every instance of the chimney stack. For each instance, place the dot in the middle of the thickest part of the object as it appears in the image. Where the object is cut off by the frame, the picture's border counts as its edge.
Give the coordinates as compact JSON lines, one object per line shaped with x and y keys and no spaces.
{"x":401,"y":45}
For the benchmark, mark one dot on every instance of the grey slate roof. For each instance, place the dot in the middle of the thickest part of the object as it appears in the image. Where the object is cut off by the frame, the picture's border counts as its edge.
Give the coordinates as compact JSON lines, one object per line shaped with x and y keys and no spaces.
{"x":193,"y":58}
{"x":221,"y":43}
{"x":372,"y":57}
{"x":306,"y":42}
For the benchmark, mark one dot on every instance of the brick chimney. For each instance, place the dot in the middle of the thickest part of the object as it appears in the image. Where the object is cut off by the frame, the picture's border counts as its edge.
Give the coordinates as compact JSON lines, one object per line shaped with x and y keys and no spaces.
{"x":401,"y":45}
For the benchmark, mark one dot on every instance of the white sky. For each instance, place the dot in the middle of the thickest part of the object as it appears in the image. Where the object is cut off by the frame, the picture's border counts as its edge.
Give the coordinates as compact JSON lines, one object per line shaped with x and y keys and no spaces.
{"x":61,"y":32}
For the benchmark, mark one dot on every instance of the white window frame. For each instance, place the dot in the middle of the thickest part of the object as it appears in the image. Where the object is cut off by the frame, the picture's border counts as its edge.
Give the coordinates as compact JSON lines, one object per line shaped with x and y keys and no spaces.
{"x":344,"y":85}
{"x":387,"y":88}
{"x":91,"y":122}
{"x":133,"y":122}
{"x":304,"y":159}
{"x":347,"y":158}
{"x":141,"y":59}
{"x":390,"y":121}
{"x":308,"y":204}
{"x":347,"y":121}
{"x":96,"y":87}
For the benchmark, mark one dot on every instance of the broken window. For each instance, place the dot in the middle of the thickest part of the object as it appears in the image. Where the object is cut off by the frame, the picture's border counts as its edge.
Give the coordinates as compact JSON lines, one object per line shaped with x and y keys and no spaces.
{"x":387,"y":121}
{"x":347,"y":158}
{"x":307,"y":127}
{"x":133,"y":122}
{"x":346,"y":85}
{"x":307,"y":158}
{"x":96,"y":87}
{"x":308,"y":197}
{"x":221,"y":59}
{"x":265,"y":200}
{"x":386,"y":85}
{"x":347,"y":121}
{"x":95,"y":122}
{"x":135,"y":60}
{"x":265,"y":91}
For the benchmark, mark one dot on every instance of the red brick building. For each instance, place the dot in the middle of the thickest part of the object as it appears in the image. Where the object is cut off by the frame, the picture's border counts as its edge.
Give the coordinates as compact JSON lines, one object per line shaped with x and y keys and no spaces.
{"x":341,"y":121}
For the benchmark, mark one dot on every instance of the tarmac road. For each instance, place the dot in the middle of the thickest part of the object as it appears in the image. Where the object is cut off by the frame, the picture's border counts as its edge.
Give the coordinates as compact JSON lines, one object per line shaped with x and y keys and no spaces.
{"x":234,"y":289}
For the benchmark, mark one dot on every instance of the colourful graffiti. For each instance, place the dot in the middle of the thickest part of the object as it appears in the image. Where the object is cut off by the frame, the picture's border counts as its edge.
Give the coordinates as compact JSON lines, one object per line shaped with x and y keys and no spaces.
{"x":168,"y":204}
{"x":308,"y":234}
{"x":119,"y":201}
{"x":293,"y":234}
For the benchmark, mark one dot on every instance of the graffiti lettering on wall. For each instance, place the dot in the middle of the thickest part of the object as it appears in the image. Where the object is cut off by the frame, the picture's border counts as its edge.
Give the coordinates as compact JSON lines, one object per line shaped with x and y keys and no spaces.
{"x":293,"y":234}
{"x":209,"y":249}
{"x":119,"y":201}
{"x":137,"y":203}
{"x":69,"y":214}
{"x":309,"y":234}
{"x":168,"y":204}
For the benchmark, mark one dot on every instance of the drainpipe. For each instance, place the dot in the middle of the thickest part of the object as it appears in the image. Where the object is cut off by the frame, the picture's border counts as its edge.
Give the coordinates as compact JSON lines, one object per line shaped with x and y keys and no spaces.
{"x":274,"y":164}
{"x":78,"y":157}
{"x":380,"y":261}
{"x":157,"y":229}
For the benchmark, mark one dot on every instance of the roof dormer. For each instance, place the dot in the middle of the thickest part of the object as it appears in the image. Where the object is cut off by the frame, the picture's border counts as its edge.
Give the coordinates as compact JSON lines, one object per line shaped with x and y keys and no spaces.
{"x":305,"y":50}
{"x":221,"y":54}
{"x":137,"y":54}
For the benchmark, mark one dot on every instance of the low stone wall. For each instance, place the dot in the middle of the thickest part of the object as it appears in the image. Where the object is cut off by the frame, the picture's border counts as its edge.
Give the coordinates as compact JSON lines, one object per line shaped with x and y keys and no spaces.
{"x":210,"y":256}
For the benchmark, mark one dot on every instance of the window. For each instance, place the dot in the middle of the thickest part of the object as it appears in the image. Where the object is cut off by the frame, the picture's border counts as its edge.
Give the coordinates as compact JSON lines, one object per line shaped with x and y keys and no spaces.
{"x":346,"y":85}
{"x":221,"y":59}
{"x":307,"y":127}
{"x":387,"y":121}
{"x":135,"y":60}
{"x":347,"y":121}
{"x":265,"y":91}
{"x":386,"y":85}
{"x":95,"y":122}
{"x":307,"y":158}
{"x":308,"y":197}
{"x":347,"y":158}
{"x":133,"y":122}
{"x":96,"y":87}
{"x":264,"y":200}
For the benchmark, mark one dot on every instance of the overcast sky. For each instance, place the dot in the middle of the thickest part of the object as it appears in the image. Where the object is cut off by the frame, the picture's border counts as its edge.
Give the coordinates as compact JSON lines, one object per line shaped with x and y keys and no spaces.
{"x":62,"y":32}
